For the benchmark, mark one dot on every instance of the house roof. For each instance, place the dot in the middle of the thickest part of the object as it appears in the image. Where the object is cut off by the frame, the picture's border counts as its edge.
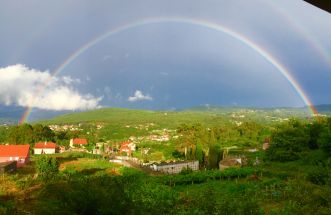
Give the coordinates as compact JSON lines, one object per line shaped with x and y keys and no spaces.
{"x":126,"y":143}
{"x":45,"y":145}
{"x":79,"y":141}
{"x":14,"y":150}
{"x":125,"y":148}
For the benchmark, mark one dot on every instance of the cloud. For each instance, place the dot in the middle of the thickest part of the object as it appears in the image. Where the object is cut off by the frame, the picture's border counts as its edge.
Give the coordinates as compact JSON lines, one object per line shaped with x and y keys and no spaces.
{"x":139,"y":96}
{"x":22,"y":86}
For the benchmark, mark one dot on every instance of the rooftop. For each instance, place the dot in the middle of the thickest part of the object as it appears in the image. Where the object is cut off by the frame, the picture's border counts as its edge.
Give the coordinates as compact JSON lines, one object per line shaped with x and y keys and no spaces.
{"x":14,"y":150}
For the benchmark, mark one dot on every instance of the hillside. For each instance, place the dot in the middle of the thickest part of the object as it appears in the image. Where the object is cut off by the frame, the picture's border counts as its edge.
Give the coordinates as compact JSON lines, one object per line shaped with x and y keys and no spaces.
{"x":123,"y":116}
{"x":205,"y":115}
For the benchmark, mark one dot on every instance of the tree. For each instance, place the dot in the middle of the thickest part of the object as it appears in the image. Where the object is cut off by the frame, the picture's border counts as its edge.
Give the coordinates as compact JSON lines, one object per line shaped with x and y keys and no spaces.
{"x":3,"y":134}
{"x":214,"y":156}
{"x":42,"y":133}
{"x":288,"y":141}
{"x":47,"y":167}
{"x":21,"y":134}
{"x":199,"y":153}
{"x":324,"y":140}
{"x":315,"y":130}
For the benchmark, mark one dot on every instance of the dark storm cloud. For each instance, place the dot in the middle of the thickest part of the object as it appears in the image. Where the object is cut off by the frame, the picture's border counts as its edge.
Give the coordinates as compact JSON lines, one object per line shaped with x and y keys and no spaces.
{"x":178,"y":65}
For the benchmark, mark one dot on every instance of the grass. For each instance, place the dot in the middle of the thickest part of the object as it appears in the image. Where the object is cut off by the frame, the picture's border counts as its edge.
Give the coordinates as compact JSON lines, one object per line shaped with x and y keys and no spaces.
{"x":82,"y":164}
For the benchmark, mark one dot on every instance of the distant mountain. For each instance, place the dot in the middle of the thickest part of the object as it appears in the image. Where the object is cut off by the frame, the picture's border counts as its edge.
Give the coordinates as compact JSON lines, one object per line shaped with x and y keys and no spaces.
{"x":324,"y":108}
{"x":12,"y":114}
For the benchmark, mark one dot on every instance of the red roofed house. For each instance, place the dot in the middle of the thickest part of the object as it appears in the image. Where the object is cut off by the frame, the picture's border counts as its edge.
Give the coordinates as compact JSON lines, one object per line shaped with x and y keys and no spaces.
{"x":128,"y":147}
{"x":44,"y":148}
{"x":19,"y":153}
{"x":78,"y":142}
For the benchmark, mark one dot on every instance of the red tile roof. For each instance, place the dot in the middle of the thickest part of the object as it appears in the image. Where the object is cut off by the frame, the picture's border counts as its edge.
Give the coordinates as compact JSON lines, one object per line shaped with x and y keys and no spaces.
{"x":14,"y":150}
{"x":79,"y":141}
{"x":45,"y":145}
{"x":125,"y":143}
{"x":125,"y":148}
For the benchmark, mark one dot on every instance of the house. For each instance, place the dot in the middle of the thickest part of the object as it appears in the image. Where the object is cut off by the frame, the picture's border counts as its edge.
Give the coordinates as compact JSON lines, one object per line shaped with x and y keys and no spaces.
{"x":78,"y":142}
{"x":128,"y":147}
{"x":175,"y":167}
{"x":19,"y":153}
{"x":62,"y":149}
{"x":100,"y":148}
{"x":44,"y":148}
{"x":230,"y":162}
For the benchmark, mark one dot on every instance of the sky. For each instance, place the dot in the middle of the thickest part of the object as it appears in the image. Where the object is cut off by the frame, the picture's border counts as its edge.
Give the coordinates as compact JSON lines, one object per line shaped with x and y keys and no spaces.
{"x":165,"y":55}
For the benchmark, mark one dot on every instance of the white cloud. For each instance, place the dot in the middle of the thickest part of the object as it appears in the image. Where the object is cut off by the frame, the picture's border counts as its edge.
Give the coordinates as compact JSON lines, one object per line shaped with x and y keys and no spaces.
{"x":139,"y":96}
{"x":22,"y":86}
{"x":68,"y":80}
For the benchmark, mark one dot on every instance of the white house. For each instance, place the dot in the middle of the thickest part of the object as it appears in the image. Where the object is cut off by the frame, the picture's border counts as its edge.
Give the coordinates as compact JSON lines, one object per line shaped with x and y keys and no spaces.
{"x":44,"y":148}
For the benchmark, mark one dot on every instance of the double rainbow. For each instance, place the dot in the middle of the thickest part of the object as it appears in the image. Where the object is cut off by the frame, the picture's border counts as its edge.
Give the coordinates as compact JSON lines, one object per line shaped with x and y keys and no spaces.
{"x":202,"y":23}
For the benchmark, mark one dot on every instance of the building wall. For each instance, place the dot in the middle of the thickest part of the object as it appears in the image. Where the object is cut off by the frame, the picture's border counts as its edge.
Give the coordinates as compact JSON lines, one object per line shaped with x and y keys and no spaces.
{"x":71,"y":143}
{"x":45,"y":151}
{"x":4,"y":159}
{"x":20,"y":160}
{"x":177,"y":168}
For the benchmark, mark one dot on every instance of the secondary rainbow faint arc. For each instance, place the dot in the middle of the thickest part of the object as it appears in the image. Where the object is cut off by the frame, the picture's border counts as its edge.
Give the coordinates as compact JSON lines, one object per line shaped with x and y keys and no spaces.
{"x":203,"y":23}
{"x":301,"y":30}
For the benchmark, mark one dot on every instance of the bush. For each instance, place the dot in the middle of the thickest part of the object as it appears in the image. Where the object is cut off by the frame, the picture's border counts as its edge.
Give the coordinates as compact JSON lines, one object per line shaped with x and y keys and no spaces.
{"x":318,"y":176}
{"x":177,"y":154}
{"x":47,"y":167}
{"x":288,"y":142}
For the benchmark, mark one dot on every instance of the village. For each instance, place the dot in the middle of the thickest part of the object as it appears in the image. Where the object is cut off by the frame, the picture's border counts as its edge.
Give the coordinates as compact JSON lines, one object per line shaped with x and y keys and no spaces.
{"x":17,"y":156}
{"x":64,"y":162}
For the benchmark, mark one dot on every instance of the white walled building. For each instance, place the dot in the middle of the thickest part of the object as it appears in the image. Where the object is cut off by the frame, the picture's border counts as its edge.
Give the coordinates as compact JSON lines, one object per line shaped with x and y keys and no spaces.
{"x":175,"y":167}
{"x":45,"y":148}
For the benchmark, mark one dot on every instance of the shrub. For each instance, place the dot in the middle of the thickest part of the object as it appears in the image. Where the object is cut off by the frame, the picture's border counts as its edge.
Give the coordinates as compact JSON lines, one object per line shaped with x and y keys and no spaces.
{"x":47,"y":167}
{"x":318,"y":176}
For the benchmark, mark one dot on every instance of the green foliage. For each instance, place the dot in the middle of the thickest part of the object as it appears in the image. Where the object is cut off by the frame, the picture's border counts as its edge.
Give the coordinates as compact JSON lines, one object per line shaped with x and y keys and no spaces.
{"x":288,"y":141}
{"x":47,"y":167}
{"x":186,"y":171}
{"x":295,"y":139}
{"x":26,"y":133}
{"x":199,"y":155}
{"x":214,"y":156}
{"x":21,"y":134}
{"x":324,"y":141}
{"x":318,"y":175}
{"x":3,"y":134}
{"x":42,"y":133}
{"x":177,"y":154}
{"x":25,"y":182}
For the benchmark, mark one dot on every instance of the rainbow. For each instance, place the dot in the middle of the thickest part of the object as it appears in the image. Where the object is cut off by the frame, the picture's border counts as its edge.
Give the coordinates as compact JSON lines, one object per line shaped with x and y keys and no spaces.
{"x":202,"y":23}
{"x":301,"y":30}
